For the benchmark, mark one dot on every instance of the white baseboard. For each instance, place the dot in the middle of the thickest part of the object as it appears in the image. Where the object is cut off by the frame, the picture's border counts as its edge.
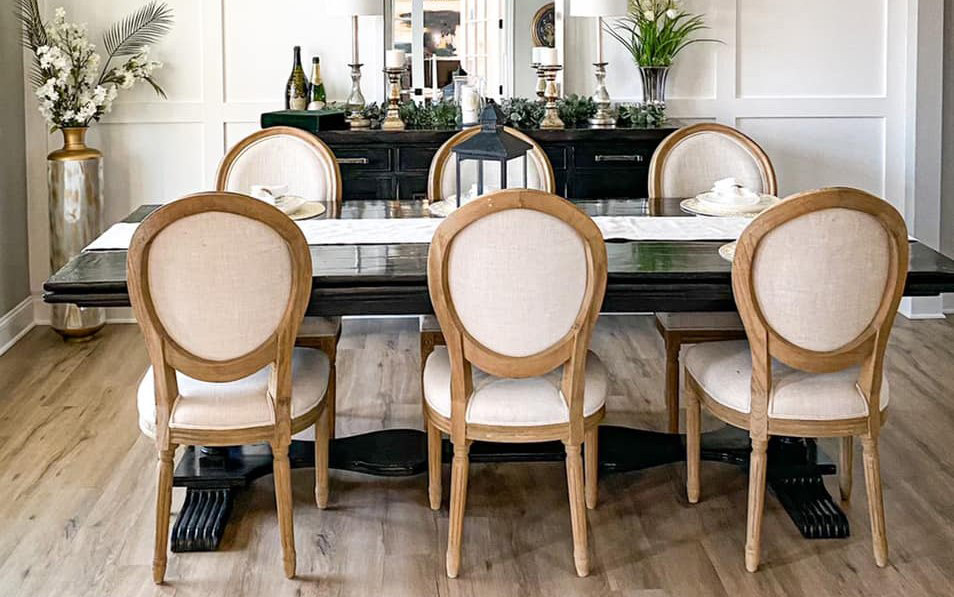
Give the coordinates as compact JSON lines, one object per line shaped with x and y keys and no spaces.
{"x":15,"y":324}
{"x":948,"y":303}
{"x":922,"y":307}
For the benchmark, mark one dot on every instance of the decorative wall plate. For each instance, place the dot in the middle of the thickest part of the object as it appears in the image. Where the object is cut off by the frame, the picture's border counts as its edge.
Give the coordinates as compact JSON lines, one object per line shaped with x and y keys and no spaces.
{"x":543,"y":26}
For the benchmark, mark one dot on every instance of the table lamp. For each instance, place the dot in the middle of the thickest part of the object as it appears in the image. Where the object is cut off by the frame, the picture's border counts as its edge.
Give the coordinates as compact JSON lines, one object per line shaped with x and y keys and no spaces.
{"x":354,"y":9}
{"x":600,"y":8}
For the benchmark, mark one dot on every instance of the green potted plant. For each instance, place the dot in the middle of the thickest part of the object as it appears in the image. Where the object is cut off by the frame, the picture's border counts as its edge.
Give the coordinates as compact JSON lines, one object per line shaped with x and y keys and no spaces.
{"x":654,"y":33}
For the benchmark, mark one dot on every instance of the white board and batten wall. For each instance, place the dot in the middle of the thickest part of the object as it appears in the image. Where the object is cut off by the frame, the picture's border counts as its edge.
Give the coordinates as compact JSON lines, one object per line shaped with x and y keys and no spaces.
{"x":825,"y":87}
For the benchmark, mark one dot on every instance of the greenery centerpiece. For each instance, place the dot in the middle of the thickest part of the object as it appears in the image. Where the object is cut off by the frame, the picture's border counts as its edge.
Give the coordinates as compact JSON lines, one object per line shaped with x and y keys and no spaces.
{"x":654,"y":33}
{"x":76,"y":87}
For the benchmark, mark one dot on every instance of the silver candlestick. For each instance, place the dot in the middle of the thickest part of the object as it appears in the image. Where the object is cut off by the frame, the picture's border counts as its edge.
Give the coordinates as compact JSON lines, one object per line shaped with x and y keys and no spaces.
{"x":603,"y":118}
{"x":392,"y":120}
{"x":356,"y":103}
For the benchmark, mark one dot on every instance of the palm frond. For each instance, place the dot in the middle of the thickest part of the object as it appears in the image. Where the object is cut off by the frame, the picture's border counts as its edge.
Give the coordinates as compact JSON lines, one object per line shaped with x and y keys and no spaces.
{"x":155,"y":86}
{"x":144,"y":27}
{"x":36,"y":75}
{"x":33,"y":31}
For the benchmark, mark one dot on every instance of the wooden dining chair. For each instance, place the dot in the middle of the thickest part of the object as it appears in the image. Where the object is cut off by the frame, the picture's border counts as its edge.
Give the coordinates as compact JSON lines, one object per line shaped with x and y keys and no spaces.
{"x":686,"y":164}
{"x":817,"y":280}
{"x":219,"y":283}
{"x":285,"y":155}
{"x":517,"y":280}
{"x":442,"y":183}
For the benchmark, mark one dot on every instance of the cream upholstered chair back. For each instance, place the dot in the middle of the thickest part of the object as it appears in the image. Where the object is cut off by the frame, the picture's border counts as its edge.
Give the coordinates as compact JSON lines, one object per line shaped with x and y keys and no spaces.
{"x":283,"y":156}
{"x":219,"y":283}
{"x":818,"y":279}
{"x":517,"y":280}
{"x":691,"y":159}
{"x":442,"y":181}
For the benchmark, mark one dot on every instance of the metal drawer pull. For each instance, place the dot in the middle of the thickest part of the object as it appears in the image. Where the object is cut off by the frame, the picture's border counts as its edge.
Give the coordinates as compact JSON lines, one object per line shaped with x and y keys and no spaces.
{"x":619,"y":158}
{"x":353,"y":161}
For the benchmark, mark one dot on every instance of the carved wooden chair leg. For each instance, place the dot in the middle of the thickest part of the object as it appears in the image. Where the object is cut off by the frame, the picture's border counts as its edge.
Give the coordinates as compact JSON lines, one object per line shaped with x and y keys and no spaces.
{"x":434,"y":453}
{"x":283,"y":499}
{"x":591,"y":450}
{"x":753,"y":532}
{"x":458,"y":501}
{"x":163,"y":511}
{"x":846,"y":461}
{"x":879,"y":538}
{"x":574,"y":477}
{"x":322,"y":437}
{"x":693,"y":439}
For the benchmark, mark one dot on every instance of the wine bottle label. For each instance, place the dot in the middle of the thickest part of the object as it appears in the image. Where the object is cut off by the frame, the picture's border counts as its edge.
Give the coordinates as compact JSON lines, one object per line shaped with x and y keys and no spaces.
{"x":298,"y":103}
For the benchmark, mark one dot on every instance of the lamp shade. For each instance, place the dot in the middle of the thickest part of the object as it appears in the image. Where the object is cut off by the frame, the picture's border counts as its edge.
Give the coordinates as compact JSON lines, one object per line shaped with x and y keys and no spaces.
{"x":348,"y":8}
{"x":598,"y":8}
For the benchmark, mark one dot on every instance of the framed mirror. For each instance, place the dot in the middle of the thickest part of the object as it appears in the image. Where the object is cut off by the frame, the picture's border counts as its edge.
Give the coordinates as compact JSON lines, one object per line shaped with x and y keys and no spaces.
{"x":489,"y":39}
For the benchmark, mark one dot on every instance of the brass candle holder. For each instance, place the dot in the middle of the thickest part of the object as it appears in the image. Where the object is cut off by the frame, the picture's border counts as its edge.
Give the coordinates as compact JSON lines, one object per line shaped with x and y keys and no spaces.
{"x":603,"y":119}
{"x":392,"y":120}
{"x":541,"y":79}
{"x":552,"y":118}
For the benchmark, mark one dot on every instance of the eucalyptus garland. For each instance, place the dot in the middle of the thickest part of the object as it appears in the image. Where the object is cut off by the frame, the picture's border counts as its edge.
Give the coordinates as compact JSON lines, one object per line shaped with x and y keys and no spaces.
{"x":520,"y":113}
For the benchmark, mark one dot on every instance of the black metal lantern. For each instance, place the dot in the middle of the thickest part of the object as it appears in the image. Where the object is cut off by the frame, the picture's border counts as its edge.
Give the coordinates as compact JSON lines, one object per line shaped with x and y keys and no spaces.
{"x":492,"y":144}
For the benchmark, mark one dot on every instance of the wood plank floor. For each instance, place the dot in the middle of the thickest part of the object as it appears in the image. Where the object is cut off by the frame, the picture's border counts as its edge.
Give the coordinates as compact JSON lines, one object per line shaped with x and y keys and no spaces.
{"x":77,"y":489}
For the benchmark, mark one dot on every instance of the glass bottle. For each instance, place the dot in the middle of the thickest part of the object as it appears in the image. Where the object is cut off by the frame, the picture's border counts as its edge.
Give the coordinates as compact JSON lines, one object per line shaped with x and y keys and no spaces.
{"x":318,"y":96}
{"x":296,"y":91}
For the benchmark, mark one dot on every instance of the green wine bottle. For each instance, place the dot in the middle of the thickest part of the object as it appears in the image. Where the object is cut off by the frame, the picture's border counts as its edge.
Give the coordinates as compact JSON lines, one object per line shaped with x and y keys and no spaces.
{"x":318,"y":96}
{"x":296,"y":91}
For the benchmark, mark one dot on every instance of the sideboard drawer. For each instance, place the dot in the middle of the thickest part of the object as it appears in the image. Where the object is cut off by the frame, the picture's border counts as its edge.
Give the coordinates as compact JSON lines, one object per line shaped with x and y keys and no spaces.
{"x":411,"y":159}
{"x":364,"y":159}
{"x":614,"y":155}
{"x":593,"y":183}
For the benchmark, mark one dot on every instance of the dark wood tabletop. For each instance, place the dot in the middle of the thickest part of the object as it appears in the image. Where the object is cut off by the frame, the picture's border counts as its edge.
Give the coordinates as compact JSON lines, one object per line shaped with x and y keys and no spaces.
{"x":644,"y":276}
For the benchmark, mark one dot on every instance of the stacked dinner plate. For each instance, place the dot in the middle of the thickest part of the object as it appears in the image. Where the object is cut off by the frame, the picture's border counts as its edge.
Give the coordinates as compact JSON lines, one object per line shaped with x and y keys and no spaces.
{"x":729,"y":198}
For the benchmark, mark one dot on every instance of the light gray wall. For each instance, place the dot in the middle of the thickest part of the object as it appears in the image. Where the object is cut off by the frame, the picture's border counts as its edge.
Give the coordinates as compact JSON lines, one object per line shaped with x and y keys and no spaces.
{"x":947,"y":147}
{"x":14,"y":265}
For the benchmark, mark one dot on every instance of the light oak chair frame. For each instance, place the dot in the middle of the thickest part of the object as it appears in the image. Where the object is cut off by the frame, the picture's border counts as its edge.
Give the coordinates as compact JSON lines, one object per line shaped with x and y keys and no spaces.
{"x":167,"y":357}
{"x":675,"y":338}
{"x":465,"y":352}
{"x":867,"y":350}
{"x":328,"y":344}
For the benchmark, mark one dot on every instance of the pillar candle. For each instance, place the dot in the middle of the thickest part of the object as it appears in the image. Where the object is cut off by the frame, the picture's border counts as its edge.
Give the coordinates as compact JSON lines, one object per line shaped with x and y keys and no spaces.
{"x":395,"y":59}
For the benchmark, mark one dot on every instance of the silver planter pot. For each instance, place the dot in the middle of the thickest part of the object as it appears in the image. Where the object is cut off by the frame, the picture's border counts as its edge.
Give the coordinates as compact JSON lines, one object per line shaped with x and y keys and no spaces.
{"x":654,"y":80}
{"x":75,"y":181}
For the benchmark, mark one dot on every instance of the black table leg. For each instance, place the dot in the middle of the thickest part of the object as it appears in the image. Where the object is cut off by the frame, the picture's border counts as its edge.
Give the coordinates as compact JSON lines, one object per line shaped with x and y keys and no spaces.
{"x":213,"y":475}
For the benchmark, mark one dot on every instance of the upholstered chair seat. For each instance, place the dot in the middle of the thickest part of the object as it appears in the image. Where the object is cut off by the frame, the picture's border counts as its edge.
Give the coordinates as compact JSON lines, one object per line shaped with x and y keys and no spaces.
{"x":724,"y":372}
{"x":238,"y":404}
{"x":513,"y":402}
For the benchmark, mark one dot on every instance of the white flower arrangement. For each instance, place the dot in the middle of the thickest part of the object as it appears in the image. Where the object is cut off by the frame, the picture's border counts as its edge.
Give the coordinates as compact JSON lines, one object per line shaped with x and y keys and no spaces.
{"x":71,"y":87}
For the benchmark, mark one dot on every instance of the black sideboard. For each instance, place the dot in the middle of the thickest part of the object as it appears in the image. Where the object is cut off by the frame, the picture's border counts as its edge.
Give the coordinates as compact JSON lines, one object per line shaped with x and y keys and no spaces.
{"x":588,"y":163}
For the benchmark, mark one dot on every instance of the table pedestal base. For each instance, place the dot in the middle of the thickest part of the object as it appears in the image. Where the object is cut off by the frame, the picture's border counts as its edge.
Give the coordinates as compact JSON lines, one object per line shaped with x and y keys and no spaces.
{"x":212,"y":476}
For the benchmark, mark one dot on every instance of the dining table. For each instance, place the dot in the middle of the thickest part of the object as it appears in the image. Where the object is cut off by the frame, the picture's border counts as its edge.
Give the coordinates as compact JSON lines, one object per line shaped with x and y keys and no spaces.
{"x":390,"y":279}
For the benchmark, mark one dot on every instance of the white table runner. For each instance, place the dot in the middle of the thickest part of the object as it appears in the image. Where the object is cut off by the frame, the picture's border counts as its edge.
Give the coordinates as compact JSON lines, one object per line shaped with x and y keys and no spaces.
{"x":421,"y":230}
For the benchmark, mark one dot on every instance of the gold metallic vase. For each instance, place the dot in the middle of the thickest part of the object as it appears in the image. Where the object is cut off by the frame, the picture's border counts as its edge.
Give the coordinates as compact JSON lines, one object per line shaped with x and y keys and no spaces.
{"x":75,"y":180}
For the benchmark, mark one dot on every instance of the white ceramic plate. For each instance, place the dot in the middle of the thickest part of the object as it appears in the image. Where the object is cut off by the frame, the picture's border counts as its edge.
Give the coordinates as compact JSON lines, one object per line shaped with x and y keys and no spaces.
{"x":441,"y":209}
{"x":727,"y":251}
{"x":699,"y":206}
{"x":312,"y":209}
